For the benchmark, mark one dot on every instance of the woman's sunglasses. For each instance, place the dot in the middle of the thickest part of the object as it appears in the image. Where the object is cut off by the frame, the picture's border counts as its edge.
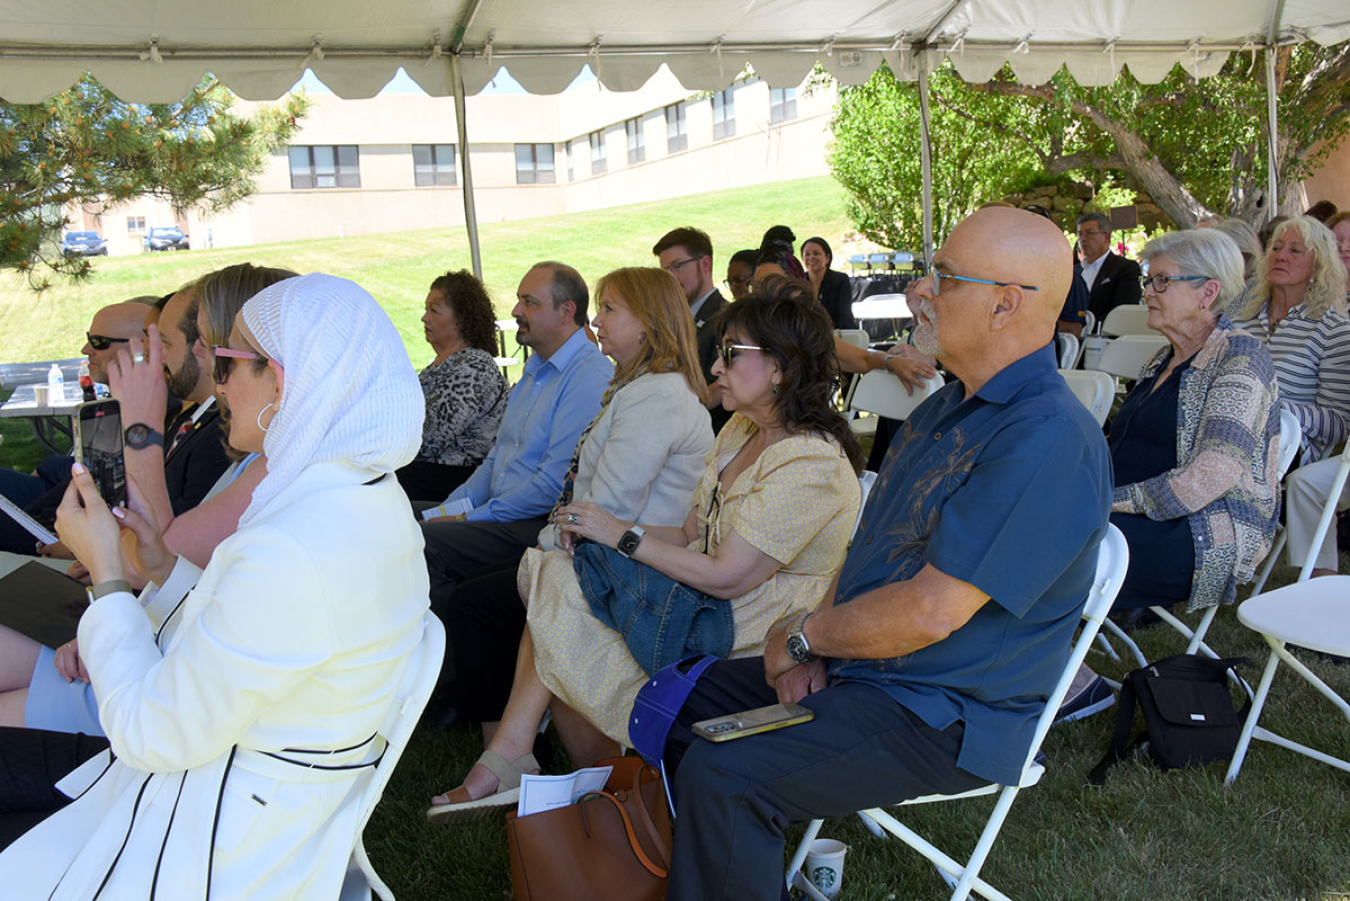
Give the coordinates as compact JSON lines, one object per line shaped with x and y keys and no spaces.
{"x":103,"y":342}
{"x":224,"y":358}
{"x":728,"y":351}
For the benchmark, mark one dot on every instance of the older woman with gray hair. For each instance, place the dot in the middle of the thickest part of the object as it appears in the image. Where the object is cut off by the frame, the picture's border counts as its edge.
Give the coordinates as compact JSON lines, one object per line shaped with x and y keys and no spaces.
{"x":1297,"y":307}
{"x":1191,"y":446}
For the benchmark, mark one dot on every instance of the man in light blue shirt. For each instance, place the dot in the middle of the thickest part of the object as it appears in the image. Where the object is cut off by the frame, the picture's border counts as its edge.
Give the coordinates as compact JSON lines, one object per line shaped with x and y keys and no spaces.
{"x":558,"y":393}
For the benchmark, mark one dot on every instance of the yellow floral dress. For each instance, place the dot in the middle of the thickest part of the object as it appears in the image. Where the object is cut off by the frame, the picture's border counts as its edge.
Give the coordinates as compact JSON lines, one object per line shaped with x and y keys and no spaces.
{"x":797,"y":503}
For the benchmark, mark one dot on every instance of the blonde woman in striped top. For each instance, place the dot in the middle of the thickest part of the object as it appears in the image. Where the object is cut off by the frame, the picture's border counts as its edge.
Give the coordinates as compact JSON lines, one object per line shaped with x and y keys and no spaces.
{"x":1298,"y":308}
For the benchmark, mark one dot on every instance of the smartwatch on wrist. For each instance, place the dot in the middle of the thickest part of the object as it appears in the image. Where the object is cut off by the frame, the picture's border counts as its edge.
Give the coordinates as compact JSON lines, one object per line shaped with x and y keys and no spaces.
{"x":798,"y":648}
{"x":139,"y":435}
{"x":629,"y":541}
{"x":110,"y":586}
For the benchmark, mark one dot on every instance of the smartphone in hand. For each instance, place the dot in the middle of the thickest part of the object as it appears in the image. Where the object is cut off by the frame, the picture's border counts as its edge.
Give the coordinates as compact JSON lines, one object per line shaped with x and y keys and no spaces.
{"x":98,"y":445}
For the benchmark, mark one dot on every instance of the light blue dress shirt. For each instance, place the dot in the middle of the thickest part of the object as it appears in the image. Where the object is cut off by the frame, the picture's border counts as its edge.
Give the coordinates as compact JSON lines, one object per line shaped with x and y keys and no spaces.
{"x":549,"y":407}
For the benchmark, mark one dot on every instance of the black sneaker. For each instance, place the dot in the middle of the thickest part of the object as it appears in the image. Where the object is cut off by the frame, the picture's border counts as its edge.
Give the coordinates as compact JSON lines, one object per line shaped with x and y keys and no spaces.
{"x":1088,"y":694}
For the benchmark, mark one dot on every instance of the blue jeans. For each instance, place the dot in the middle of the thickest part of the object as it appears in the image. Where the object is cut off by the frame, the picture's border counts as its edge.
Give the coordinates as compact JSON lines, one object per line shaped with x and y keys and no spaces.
{"x":661,"y":620}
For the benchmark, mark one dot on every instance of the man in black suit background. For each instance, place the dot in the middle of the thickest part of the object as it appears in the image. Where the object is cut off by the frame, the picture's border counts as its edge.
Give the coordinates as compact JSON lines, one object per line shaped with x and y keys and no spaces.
{"x":687,"y":254}
{"x":1112,"y":280}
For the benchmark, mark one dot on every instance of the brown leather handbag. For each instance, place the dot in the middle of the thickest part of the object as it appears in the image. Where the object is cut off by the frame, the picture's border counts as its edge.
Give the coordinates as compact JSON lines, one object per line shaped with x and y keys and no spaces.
{"x":612,"y":844}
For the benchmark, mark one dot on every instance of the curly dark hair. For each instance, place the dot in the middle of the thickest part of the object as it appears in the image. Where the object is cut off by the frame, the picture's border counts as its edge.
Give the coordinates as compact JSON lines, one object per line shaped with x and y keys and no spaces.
{"x":468,"y":300}
{"x":783,"y":317}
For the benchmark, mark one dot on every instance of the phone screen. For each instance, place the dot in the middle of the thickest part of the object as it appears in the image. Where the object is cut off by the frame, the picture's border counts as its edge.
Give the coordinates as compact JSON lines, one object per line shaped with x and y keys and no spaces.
{"x":99,"y":447}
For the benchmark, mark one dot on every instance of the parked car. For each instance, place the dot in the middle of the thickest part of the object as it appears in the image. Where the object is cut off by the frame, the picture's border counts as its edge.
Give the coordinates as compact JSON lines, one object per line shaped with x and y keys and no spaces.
{"x":166,"y":239}
{"x":83,"y":244}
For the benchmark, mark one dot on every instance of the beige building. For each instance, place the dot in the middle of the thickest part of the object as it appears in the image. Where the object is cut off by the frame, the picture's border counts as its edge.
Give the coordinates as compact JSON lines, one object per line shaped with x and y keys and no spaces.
{"x":391,"y":163}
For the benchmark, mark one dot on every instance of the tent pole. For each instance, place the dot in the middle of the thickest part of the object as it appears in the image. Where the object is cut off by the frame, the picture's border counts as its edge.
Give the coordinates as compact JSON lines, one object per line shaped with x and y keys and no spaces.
{"x":925,"y":159}
{"x":1273,"y":139}
{"x":470,"y":214}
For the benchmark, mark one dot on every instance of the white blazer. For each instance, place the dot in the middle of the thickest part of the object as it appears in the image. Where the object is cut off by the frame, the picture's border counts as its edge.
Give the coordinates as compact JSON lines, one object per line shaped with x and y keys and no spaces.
{"x":238,"y":737}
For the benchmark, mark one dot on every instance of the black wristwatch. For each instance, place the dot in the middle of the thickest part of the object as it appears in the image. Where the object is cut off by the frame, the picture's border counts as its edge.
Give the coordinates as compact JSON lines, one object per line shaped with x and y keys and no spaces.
{"x":139,"y":435}
{"x":797,"y":646}
{"x":629,"y":541}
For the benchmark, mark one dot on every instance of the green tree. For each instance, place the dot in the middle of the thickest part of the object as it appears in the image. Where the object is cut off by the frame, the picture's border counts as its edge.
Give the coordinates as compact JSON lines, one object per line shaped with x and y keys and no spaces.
{"x":87,"y":147}
{"x":876,"y":157}
{"x":1197,"y":148}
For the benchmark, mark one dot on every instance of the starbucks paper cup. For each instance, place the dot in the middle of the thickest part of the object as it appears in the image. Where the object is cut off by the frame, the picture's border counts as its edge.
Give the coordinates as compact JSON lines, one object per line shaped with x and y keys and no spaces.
{"x":825,"y":865}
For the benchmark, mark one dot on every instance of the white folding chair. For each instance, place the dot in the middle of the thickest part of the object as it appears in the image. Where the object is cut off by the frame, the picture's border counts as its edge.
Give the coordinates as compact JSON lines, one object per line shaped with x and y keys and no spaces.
{"x":1323,"y":524}
{"x":419,"y":678}
{"x":881,"y":393}
{"x":1126,"y":356}
{"x":1312,"y":614}
{"x":1113,"y":559}
{"x":1290,"y":434}
{"x":1067,"y":345}
{"x":1096,"y":390}
{"x":1127,"y":319}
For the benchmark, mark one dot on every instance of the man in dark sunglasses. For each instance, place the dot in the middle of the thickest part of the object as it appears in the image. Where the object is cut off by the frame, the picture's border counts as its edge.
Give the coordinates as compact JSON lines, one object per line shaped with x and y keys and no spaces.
{"x":112,"y":328}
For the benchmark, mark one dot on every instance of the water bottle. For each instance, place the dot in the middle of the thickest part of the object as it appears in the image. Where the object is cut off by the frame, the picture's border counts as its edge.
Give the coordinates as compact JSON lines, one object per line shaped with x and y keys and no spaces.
{"x":86,"y":382}
{"x":56,"y":386}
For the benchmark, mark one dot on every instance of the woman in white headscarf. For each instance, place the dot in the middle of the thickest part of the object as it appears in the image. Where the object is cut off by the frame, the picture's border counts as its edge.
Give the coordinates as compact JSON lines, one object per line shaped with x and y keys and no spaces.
{"x":242,"y":713}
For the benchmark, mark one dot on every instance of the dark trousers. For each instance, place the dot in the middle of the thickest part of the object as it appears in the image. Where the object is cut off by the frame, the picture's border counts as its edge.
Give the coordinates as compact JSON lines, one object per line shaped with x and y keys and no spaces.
{"x":483,"y":623}
{"x":734,"y":799}
{"x":484,"y":619}
{"x":424,"y":481}
{"x":31,"y":763}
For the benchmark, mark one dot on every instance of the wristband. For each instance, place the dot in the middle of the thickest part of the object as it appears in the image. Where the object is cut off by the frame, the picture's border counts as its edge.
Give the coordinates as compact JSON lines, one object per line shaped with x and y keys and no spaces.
{"x":111,"y":586}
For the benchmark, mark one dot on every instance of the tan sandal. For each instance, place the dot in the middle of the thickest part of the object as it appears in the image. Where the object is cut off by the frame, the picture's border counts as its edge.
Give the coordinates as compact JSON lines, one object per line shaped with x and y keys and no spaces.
{"x":462,"y":808}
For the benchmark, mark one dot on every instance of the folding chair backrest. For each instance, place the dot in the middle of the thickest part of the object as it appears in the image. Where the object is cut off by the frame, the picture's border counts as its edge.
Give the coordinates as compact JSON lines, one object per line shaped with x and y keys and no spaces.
{"x":1291,"y":436}
{"x":1068,"y":349}
{"x":855,"y":336}
{"x":1113,"y":559}
{"x":1127,"y":355}
{"x":1095,"y":389}
{"x":419,"y":678}
{"x":882,"y":306}
{"x":883,"y":393}
{"x":865,"y":482}
{"x":1127,"y":319}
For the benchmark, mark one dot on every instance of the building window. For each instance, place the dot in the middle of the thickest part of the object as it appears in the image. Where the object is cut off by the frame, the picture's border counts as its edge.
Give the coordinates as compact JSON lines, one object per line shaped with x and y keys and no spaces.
{"x":325,"y":166}
{"x":637,"y":143}
{"x":598,"y":166}
{"x":434,"y":164}
{"x":782,"y":104}
{"x":534,"y":164}
{"x":724,"y":114}
{"x":570,"y":170}
{"x":135,"y":225}
{"x":677,"y":128}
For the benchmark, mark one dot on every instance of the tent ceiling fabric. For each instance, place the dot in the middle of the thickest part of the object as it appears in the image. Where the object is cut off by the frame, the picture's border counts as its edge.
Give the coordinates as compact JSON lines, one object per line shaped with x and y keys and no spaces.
{"x":153,"y":51}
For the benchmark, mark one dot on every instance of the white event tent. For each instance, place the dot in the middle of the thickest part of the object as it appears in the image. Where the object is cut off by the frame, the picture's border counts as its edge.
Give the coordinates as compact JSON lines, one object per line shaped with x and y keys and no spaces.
{"x":156,"y":50}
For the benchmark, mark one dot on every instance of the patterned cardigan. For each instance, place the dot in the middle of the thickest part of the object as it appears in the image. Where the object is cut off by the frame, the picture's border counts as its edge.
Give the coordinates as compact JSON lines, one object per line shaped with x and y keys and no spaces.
{"x":1225,"y":482}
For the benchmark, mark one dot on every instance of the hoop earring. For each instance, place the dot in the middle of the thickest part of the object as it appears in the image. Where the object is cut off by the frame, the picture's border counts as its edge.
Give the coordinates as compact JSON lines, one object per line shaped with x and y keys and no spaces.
{"x":260,"y":414}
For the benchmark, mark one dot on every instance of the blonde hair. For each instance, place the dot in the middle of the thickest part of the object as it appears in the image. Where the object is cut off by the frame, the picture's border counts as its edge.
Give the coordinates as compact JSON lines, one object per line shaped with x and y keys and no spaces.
{"x":1326,"y":285}
{"x":655,"y":298}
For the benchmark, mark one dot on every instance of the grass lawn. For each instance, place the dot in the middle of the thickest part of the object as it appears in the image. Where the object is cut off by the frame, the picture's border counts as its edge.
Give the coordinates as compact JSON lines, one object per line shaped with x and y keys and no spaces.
{"x":397,"y":268}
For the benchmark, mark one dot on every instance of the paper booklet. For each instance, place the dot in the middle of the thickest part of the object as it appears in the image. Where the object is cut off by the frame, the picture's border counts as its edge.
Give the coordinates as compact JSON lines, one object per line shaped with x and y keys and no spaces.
{"x":450,"y":508}
{"x":541,"y":793}
{"x":31,"y":525}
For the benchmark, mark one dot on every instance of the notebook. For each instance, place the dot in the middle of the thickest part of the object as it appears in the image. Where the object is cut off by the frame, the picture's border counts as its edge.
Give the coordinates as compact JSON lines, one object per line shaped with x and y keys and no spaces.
{"x":42,"y":603}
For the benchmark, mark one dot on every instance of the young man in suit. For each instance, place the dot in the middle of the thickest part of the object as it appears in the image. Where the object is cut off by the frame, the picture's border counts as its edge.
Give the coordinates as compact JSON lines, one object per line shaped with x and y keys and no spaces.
{"x":687,"y":254}
{"x":1112,"y":280}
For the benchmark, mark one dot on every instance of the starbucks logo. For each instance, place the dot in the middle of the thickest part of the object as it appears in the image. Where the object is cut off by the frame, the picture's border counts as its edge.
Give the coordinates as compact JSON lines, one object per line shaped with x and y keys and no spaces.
{"x":824,"y":878}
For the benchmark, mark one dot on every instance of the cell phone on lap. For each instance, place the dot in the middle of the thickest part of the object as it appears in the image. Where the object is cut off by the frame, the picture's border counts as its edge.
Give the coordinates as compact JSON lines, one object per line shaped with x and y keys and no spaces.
{"x":753,"y":722}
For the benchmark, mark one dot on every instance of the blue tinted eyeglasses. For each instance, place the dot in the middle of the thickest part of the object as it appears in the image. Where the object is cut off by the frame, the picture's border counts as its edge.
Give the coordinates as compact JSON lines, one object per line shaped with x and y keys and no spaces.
{"x":938,"y":276}
{"x":1159,"y":283}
